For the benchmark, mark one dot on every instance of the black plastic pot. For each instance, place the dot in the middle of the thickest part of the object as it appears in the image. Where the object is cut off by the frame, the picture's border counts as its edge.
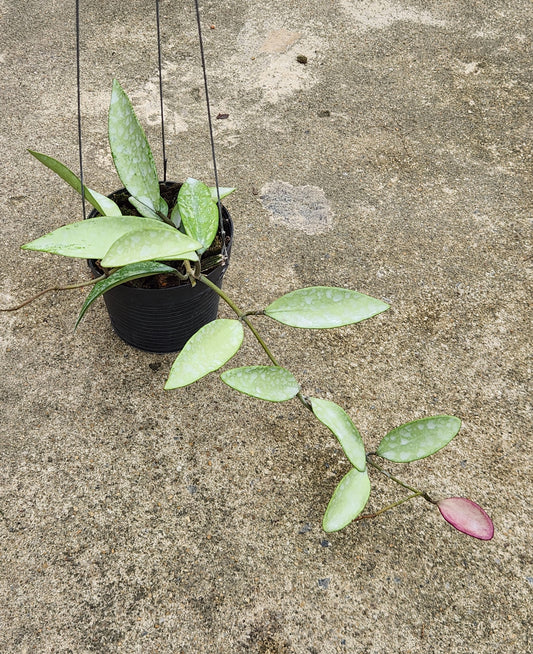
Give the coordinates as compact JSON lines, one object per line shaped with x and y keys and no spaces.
{"x":163,"y":319}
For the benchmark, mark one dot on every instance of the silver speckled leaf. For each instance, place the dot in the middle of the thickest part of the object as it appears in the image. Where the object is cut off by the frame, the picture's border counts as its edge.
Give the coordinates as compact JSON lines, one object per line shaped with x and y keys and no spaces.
{"x":91,"y":239}
{"x":131,"y":152}
{"x":209,"y":349}
{"x":150,"y":244}
{"x":338,"y":421}
{"x":270,"y":383}
{"x":418,"y":439}
{"x":199,"y":214}
{"x":323,"y":307}
{"x":348,"y":500}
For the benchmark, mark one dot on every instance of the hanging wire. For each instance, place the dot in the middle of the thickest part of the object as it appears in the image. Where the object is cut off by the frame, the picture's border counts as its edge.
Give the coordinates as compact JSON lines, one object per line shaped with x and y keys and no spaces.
{"x":210,"y":121}
{"x":78,"y":85}
{"x":160,"y":66}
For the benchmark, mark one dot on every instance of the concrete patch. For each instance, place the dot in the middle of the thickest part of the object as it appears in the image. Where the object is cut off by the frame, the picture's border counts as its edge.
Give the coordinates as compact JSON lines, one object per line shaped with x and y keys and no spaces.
{"x":298,"y":207}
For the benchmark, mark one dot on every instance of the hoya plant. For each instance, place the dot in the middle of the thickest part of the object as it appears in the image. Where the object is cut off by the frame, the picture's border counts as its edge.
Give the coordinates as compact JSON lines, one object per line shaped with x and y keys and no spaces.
{"x":322,"y":307}
{"x":131,"y":247}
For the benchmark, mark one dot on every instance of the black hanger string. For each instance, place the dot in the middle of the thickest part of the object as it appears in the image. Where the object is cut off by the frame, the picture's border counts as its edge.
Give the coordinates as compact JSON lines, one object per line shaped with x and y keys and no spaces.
{"x":160,"y":67}
{"x":210,"y":122}
{"x":78,"y":86}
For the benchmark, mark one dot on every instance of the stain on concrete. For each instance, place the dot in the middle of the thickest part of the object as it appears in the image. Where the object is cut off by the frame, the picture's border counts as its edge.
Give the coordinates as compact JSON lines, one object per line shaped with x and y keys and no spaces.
{"x":380,"y":14}
{"x":305,"y":208}
{"x":269,"y":54}
{"x":278,"y":41}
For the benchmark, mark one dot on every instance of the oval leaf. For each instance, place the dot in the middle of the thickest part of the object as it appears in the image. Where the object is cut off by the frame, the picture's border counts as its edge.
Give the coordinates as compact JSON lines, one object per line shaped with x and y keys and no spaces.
{"x":467,"y":516}
{"x":206,"y":351}
{"x":418,"y":439}
{"x":149,"y":244}
{"x":131,"y":152}
{"x":270,"y":383}
{"x":125,"y":274}
{"x":199,"y":214}
{"x":91,"y":239}
{"x":338,"y":421}
{"x":323,"y":307}
{"x":348,"y":500}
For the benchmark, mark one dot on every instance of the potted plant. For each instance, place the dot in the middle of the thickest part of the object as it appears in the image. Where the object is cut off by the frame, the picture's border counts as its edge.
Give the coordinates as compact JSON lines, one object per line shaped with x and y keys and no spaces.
{"x":134,"y":230}
{"x":170,"y":236}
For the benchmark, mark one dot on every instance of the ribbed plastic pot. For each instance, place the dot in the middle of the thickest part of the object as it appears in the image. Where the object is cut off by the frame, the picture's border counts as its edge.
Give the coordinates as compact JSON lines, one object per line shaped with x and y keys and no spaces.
{"x":163,"y":319}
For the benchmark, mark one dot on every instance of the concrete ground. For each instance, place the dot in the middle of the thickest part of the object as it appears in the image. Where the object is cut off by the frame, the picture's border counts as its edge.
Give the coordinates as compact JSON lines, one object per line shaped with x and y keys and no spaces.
{"x":137,"y":520}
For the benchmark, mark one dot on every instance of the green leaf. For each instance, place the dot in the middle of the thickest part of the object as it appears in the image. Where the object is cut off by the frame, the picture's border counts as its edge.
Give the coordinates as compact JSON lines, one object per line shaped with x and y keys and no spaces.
{"x":199,"y":214}
{"x":91,"y":239}
{"x":145,"y":210}
{"x":223,"y":190}
{"x":337,"y":420}
{"x":322,"y":307}
{"x":150,"y":244}
{"x":106,"y":206}
{"x":101,"y":203}
{"x":348,"y":500}
{"x":175,"y":216}
{"x":270,"y":383}
{"x":131,"y":152}
{"x":205,"y":352}
{"x":418,"y":439}
{"x":125,"y":274}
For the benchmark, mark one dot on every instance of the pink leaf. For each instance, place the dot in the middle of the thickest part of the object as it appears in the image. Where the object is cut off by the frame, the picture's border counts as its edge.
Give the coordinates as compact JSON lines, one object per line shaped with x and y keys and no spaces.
{"x":467,"y":516}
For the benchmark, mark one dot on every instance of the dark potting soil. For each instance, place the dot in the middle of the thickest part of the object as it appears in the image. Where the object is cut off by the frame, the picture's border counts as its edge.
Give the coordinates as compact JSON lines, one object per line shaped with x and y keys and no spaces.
{"x":208,"y":260}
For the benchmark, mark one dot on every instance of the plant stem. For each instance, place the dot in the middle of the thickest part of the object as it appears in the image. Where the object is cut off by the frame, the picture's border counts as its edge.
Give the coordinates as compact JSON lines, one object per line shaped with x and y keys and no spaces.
{"x":416,"y":491}
{"x":244,"y":317}
{"x":387,"y":508}
{"x":241,"y":315}
{"x":164,"y":218}
{"x":50,"y":290}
